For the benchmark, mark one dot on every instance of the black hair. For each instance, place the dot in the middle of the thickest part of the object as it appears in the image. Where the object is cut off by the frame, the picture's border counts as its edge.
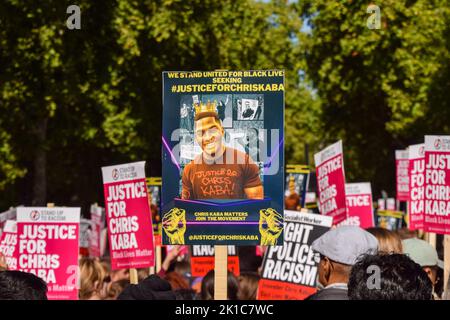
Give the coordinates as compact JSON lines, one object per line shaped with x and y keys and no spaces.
{"x":400,"y":278}
{"x":18,"y":285}
{"x":207,"y":292}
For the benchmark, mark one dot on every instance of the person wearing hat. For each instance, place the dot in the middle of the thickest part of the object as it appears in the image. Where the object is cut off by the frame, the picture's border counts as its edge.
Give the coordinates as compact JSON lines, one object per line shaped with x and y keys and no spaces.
{"x":423,"y":253}
{"x":339,"y":250}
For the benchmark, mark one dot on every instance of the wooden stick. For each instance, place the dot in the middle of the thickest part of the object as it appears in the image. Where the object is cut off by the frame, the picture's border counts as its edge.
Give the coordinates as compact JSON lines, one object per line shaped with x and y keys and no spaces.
{"x":220,"y":272}
{"x":50,"y":205}
{"x":158,"y":258}
{"x":134,"y":276}
{"x":151,"y":270}
{"x":446,"y":266}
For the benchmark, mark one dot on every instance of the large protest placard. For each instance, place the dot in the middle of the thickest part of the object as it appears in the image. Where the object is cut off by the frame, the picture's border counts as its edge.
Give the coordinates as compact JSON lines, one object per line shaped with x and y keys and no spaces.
{"x":97,"y":224}
{"x":289,"y":272}
{"x":223,"y":150}
{"x":48,"y":247}
{"x":8,"y":244}
{"x":416,"y":207}
{"x":437,"y":184}
{"x":331,"y":182}
{"x":128,"y":216}
{"x":402,"y":174}
{"x":202,"y":260}
{"x":359,"y":204}
{"x":297,"y":179}
{"x":85,"y":236}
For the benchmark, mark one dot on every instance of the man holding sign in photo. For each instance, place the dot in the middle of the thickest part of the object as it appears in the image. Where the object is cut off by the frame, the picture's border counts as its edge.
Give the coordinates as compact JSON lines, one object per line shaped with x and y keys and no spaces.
{"x":219,"y":172}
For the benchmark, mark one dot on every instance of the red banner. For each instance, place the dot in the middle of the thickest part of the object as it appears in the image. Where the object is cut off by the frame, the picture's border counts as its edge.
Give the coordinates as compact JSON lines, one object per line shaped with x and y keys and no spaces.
{"x":402,"y":174}
{"x":202,"y":260}
{"x":359,"y":204}
{"x":437,"y":184}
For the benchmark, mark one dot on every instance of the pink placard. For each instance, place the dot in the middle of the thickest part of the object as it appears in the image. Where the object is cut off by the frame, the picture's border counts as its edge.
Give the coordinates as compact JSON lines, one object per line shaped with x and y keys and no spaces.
{"x":8,"y":244}
{"x":416,"y":186}
{"x":437,"y":184}
{"x":128,"y":216}
{"x":402,"y":174}
{"x":331,"y":182}
{"x":48,"y":247}
{"x":359,"y":203}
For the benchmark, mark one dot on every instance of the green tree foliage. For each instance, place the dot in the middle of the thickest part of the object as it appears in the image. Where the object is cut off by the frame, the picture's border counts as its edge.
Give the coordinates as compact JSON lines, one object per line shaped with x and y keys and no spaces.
{"x":380,"y":89}
{"x":74,"y":100}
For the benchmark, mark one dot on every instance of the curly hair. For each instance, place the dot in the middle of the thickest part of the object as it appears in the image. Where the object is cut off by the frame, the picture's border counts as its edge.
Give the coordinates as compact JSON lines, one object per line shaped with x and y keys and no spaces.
{"x":400,"y":278}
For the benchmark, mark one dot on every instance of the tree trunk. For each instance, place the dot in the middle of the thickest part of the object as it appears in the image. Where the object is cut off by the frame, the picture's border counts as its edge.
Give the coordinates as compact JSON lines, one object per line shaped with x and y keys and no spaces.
{"x":40,"y":165}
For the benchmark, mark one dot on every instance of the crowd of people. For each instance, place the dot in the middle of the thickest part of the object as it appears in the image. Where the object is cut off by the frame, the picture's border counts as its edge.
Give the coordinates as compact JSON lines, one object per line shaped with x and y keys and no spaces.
{"x":355,"y":264}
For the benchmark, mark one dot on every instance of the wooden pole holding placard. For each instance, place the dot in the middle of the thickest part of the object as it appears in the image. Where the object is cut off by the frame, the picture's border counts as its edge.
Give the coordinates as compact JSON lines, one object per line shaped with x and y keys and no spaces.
{"x":446,"y":267}
{"x":220,"y":272}
{"x":50,"y":205}
{"x":158,"y":258}
{"x":134,"y":276}
{"x":432,"y":239}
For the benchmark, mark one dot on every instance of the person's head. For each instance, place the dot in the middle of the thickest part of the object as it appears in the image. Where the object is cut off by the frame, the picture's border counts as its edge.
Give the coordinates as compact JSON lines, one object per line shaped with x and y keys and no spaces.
{"x":183,"y":268}
{"x":119,"y":274}
{"x":92,"y":279}
{"x":425,"y":255}
{"x":115,"y":288}
{"x":339,"y":249}
{"x":248,"y":286}
{"x":185,"y":294}
{"x":207,"y":287}
{"x":209,"y":132}
{"x":292,"y":201}
{"x":388,"y":241}
{"x":388,"y":277}
{"x":18,"y":285}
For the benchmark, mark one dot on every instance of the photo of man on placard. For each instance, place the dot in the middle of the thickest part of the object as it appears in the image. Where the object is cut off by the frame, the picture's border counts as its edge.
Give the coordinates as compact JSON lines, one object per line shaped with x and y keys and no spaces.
{"x":219,"y":172}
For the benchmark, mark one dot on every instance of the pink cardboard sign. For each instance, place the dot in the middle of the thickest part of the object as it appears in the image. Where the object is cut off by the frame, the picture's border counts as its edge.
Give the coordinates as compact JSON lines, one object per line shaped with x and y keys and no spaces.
{"x":331,"y":182}
{"x":8,"y":244}
{"x":402,"y":174}
{"x":359,"y":203}
{"x":48,"y":247}
{"x":416,"y":186}
{"x":437,"y":184}
{"x":128,"y":216}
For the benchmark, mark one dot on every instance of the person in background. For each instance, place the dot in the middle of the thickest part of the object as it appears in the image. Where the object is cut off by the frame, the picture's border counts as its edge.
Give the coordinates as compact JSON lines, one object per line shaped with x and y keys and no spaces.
{"x":339,"y":250}
{"x":207,"y":291}
{"x":151,"y":288}
{"x":176,"y":280}
{"x":114,"y":275}
{"x":248,"y":285}
{"x":426,"y":256}
{"x":400,"y":278}
{"x":92,"y":279}
{"x":388,"y":241}
{"x":18,"y":285}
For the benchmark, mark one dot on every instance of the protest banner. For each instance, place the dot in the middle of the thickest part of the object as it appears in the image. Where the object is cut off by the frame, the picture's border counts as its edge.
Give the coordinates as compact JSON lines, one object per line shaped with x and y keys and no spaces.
{"x":128,"y":216}
{"x":331,"y":182}
{"x":97,"y":223}
{"x":359,"y":204}
{"x":84,"y":237}
{"x":202,"y":260}
{"x":390,"y":219}
{"x":381,"y":204}
{"x":296,"y":185}
{"x":9,"y":214}
{"x":8,"y":243}
{"x":437,"y":184}
{"x":390,"y":204}
{"x":48,"y":247}
{"x":289,"y":272}
{"x":223,"y":172}
{"x":154,"y":193}
{"x":416,"y":186}
{"x":402,"y":174}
